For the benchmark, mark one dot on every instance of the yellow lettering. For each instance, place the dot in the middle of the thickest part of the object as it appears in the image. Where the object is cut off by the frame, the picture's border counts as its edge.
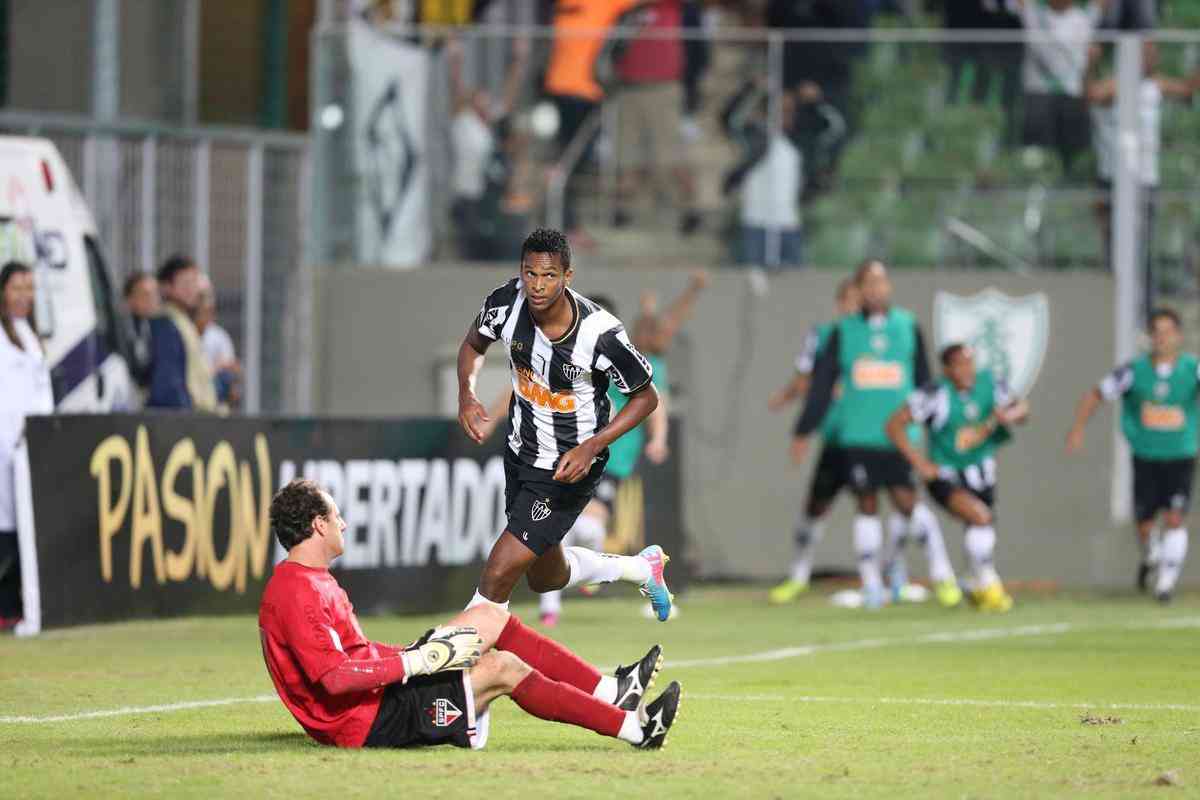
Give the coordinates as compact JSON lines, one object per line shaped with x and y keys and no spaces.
{"x":222,"y":473}
{"x":182,"y":509}
{"x":257,"y":525}
{"x":111,"y":515}
{"x":147,"y":520}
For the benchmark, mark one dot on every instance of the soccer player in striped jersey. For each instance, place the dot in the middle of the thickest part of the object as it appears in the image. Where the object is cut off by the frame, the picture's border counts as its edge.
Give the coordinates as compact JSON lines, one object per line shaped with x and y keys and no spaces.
{"x":829,"y":478}
{"x":592,"y":526}
{"x":968,"y":414}
{"x":879,"y":357}
{"x":1158,"y":394}
{"x":563,"y":351}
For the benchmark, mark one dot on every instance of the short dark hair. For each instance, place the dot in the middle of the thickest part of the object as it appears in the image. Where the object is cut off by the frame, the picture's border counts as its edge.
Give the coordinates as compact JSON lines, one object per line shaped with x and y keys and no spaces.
{"x":605,"y":302}
{"x":1164,"y":313}
{"x":548,"y":240}
{"x":132,"y":281}
{"x":173,"y":266}
{"x":865,"y":267}
{"x":950,"y":351}
{"x":293,"y":509}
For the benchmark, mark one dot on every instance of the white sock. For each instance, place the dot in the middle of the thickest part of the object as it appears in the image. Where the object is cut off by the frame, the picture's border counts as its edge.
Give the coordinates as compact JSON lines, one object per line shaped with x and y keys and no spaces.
{"x":479,"y":600}
{"x":868,"y":538}
{"x":588,"y":566}
{"x":1174,"y":551}
{"x":980,"y":543}
{"x":588,"y":532}
{"x":550,"y":602}
{"x":606,"y":689}
{"x":631,"y":728}
{"x":808,"y":534}
{"x":1151,"y":548}
{"x":929,"y":533}
{"x":897,"y":538}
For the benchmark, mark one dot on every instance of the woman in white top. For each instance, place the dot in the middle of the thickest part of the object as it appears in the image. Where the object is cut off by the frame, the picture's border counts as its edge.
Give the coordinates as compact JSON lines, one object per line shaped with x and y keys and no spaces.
{"x":25,"y":382}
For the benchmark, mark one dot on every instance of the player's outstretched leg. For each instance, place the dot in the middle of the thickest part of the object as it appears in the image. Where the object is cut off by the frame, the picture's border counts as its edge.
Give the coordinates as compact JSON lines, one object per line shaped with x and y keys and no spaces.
{"x":1174,"y":551}
{"x":565,"y":567}
{"x":550,"y":608}
{"x":625,"y":688}
{"x":868,"y":540}
{"x":503,"y":673}
{"x":807,"y":535}
{"x":928,"y":533}
{"x":896,"y":561}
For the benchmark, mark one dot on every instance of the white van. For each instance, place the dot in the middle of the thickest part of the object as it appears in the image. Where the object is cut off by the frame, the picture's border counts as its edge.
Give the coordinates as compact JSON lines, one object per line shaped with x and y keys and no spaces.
{"x":45,"y":223}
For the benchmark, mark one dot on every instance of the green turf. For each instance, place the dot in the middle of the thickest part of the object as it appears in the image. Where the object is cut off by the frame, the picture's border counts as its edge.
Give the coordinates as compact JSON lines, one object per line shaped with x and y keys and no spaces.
{"x":879,"y":713}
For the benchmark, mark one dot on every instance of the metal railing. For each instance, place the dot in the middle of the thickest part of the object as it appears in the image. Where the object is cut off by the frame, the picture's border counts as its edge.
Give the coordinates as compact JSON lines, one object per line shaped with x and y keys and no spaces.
{"x":233,"y":199}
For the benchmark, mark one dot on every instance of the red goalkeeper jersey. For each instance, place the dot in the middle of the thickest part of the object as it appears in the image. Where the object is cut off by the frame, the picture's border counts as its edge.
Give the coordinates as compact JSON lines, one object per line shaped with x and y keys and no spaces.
{"x":308,"y":629}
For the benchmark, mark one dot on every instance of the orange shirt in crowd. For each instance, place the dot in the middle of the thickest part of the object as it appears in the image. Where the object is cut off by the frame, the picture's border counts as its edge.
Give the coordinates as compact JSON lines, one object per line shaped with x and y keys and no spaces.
{"x":579,"y":30}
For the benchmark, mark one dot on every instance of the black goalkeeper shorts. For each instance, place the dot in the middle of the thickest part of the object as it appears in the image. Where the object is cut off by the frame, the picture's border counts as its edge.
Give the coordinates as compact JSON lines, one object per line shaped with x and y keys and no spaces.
{"x":427,"y":710}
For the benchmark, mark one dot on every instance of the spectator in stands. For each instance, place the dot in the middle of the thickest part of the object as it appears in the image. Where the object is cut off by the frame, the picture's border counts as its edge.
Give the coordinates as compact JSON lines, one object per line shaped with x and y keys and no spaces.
{"x":1056,"y":59}
{"x":650,"y":111}
{"x":26,"y":389}
{"x":820,"y":75}
{"x":1155,"y":87}
{"x":571,"y":83}
{"x":142,"y":303}
{"x":179,"y":373}
{"x":218,"y":347}
{"x":485,"y":147}
{"x":770,"y":176}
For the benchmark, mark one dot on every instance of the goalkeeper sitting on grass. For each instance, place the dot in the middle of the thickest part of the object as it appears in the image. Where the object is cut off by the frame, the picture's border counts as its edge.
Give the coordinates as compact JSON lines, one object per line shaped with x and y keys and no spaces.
{"x":348,"y":691}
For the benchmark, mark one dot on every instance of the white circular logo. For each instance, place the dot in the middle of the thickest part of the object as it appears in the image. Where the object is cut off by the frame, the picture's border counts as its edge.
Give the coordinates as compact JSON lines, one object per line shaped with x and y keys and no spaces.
{"x":879,"y":343}
{"x":1161,"y":390}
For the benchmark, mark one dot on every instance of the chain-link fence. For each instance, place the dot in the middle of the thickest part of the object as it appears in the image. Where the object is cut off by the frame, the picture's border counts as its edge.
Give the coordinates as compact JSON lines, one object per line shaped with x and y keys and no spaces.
{"x":234,"y":201}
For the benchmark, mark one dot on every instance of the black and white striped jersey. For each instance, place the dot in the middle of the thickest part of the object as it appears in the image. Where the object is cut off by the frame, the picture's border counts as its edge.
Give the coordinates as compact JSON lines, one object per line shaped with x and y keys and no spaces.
{"x":560,"y":388}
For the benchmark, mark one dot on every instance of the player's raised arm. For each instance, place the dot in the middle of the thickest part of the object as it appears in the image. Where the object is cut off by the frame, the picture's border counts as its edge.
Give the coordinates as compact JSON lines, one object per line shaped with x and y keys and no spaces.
{"x":1115,"y":384}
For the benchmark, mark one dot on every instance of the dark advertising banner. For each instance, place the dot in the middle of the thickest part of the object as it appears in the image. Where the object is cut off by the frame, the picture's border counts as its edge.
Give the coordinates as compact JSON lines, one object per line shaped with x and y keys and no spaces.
{"x":163,"y":515}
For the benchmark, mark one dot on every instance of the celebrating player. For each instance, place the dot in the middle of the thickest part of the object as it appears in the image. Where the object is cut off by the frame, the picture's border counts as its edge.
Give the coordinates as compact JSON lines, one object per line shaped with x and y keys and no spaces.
{"x":968,"y":415}
{"x":829,"y":477}
{"x":1158,"y":418}
{"x":348,"y":691}
{"x":879,"y":356}
{"x":563,"y":351}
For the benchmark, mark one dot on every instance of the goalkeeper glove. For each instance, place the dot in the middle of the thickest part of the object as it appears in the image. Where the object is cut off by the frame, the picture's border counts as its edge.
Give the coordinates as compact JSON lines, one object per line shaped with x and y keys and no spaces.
{"x":442,"y":649}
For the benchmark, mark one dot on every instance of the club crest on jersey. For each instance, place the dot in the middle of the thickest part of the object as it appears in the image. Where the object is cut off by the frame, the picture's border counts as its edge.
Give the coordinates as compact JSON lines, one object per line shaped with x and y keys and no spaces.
{"x":572,"y":372}
{"x":971,"y":411}
{"x":1008,"y":334}
{"x":540,"y":511}
{"x":443,"y":713}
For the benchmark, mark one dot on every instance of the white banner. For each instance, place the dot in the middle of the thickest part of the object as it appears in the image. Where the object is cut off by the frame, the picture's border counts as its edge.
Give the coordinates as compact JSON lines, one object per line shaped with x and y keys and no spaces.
{"x":388,"y":118}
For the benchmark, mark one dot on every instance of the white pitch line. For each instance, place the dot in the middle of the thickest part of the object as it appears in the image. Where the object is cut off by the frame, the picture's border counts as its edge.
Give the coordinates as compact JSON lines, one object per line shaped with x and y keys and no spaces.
{"x":132,"y":710}
{"x":978,"y":635}
{"x":935,"y":701}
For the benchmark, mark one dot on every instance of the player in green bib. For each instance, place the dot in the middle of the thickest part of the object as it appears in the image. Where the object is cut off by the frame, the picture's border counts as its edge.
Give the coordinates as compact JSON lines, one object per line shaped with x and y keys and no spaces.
{"x":1158,"y":394}
{"x":878,"y":356}
{"x":967,"y":414}
{"x":829,"y":478}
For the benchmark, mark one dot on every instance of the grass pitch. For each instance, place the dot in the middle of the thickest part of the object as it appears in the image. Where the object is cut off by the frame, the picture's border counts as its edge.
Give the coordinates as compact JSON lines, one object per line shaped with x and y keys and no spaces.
{"x":1079,"y":695}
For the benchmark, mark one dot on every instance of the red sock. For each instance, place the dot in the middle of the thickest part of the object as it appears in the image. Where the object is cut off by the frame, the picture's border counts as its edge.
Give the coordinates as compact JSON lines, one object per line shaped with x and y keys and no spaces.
{"x":561,"y":702}
{"x":547,"y":656}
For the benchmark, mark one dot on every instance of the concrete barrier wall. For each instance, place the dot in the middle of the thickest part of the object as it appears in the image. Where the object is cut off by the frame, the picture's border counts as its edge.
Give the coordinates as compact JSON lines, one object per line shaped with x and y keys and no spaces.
{"x":382,"y":333}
